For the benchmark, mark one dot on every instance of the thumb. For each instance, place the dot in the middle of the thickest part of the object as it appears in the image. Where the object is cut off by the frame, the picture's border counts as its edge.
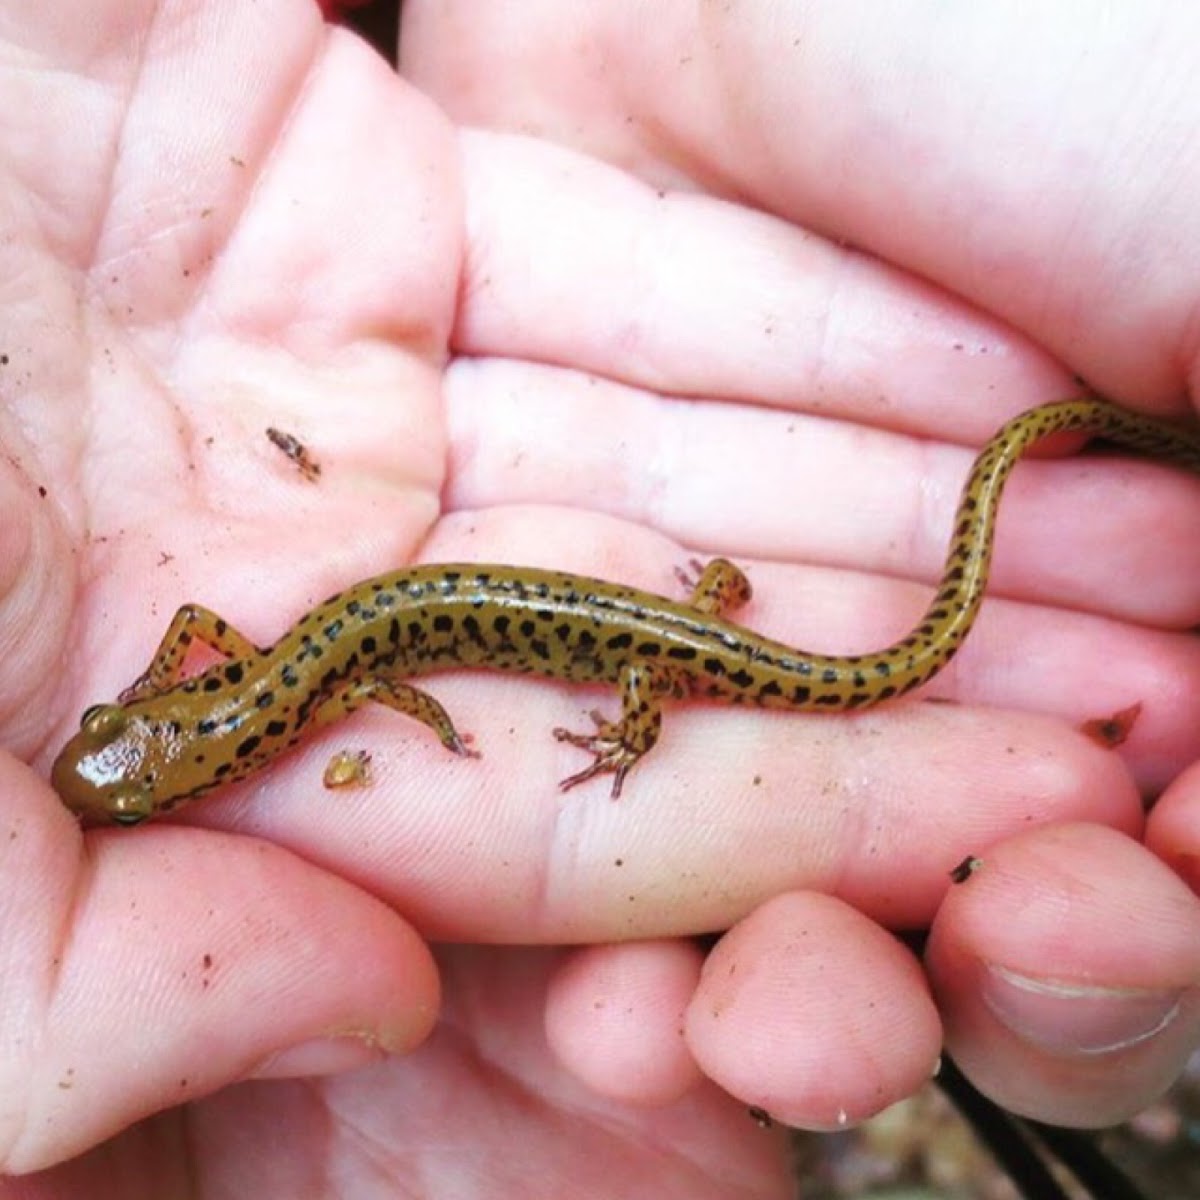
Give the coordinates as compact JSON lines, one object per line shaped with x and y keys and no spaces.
{"x":143,"y":968}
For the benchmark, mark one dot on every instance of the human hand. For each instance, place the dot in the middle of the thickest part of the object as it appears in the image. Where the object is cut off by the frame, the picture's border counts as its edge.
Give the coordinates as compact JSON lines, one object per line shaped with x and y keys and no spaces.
{"x":334,"y":263}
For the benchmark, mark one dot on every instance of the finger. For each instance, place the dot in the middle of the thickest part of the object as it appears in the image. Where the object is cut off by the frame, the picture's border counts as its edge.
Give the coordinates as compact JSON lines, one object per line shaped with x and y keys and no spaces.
{"x":481,"y":1101}
{"x":1030,"y":236}
{"x":1069,"y":664}
{"x":813,"y":1013}
{"x":1173,"y":831}
{"x":1067,"y":971}
{"x":489,"y":849}
{"x":733,"y":304}
{"x":614,"y":1018}
{"x":151,"y":969}
{"x":1082,"y":533}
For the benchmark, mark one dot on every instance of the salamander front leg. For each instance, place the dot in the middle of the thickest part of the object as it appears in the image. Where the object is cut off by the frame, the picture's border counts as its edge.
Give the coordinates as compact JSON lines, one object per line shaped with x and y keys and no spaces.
{"x":402,"y":697}
{"x":192,"y":623}
{"x":617,"y":745}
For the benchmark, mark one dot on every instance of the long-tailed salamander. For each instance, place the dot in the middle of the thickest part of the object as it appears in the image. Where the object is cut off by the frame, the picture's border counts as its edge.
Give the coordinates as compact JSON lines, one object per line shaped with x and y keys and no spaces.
{"x":169,"y":739}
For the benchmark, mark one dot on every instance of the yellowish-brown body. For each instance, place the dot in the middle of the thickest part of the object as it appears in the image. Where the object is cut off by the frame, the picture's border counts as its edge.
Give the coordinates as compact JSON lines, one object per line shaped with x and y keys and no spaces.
{"x":170,"y":739}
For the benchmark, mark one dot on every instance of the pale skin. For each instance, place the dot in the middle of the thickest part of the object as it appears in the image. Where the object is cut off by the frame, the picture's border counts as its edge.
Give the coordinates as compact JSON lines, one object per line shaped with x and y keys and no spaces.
{"x":485,"y":342}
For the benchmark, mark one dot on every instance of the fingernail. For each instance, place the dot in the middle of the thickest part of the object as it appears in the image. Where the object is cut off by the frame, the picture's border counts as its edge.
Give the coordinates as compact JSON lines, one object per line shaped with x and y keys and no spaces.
{"x":1073,"y":1018}
{"x":320,"y":1056}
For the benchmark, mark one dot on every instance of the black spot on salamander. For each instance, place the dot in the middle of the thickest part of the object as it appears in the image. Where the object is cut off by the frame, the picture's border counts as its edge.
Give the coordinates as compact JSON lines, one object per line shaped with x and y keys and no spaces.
{"x":353,"y":607}
{"x":770,"y":688}
{"x":368,"y":645}
{"x":190,"y":685}
{"x":883,"y":668}
{"x":416,"y":632}
{"x":308,"y":648}
{"x":501,"y":624}
{"x":333,"y":629}
{"x":206,"y":728}
{"x":587,"y":640}
{"x":527,"y":629}
{"x":221,"y":627}
{"x":682,"y":653}
{"x":620,"y":641}
{"x":276,"y":729}
{"x":649,"y":649}
{"x":288,"y":674}
{"x":714,"y":666}
{"x":198,"y":759}
{"x":443,"y":623}
{"x":829,"y":700}
{"x":885,"y":693}
{"x":394,"y":632}
{"x":235,"y":672}
{"x":801,"y":694}
{"x":540,"y":648}
{"x":472,"y":629}
{"x":741,"y":678}
{"x":386,"y":599}
{"x":829,"y":675}
{"x":264,"y":700}
{"x":221,"y":770}
{"x":305,"y":707}
{"x":544,"y":614}
{"x":856,"y":699}
{"x":562,"y":631}
{"x":212,"y":683}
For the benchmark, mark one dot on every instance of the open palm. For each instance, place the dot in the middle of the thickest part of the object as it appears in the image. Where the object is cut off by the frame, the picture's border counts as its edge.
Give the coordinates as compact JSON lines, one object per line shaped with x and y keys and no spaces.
{"x":228,"y":218}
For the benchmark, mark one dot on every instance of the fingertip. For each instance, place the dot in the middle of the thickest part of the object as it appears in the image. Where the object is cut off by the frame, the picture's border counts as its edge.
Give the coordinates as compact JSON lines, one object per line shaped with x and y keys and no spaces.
{"x":814,"y":1013}
{"x":199,"y":959}
{"x":614,"y":1019}
{"x":1066,"y":969}
{"x":1173,"y":829}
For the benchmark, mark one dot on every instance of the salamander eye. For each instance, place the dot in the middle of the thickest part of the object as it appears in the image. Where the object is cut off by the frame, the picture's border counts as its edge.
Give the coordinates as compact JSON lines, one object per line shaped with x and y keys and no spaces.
{"x":103,"y":721}
{"x":131,"y":807}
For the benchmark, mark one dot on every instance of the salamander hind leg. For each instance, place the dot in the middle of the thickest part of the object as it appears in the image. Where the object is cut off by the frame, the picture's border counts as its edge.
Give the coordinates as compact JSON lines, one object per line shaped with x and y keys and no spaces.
{"x":718,"y":588}
{"x":402,"y":697}
{"x":618,"y":745}
{"x":192,"y":623}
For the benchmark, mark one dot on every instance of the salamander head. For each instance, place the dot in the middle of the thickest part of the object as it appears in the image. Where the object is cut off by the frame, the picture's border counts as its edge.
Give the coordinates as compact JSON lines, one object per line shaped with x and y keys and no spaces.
{"x":109,"y":770}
